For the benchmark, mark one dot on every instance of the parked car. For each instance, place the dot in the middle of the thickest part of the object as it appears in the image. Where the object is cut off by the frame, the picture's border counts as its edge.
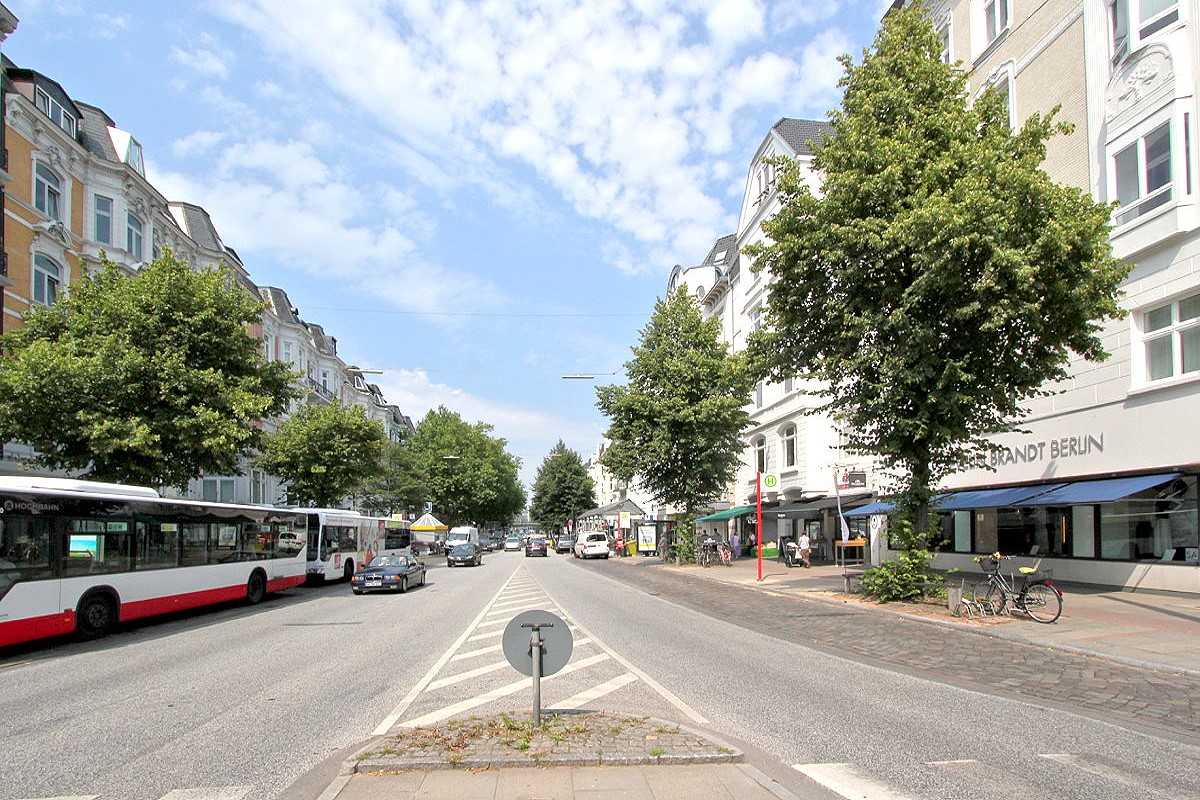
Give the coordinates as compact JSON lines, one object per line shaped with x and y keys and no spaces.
{"x":290,"y":542}
{"x":592,"y":545}
{"x":464,"y":554}
{"x":564,"y":543}
{"x":536,"y":546}
{"x":512,"y":544}
{"x":390,"y":572}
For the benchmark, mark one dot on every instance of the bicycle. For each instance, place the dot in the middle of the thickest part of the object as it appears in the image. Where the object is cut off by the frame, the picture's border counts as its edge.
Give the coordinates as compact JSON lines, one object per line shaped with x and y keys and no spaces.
{"x":724,"y":554}
{"x":707,"y":553}
{"x":1036,"y":596}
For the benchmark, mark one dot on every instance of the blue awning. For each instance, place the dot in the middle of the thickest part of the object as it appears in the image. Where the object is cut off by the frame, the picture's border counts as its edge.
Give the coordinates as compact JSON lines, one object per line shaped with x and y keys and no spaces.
{"x":1103,"y":491}
{"x":993,"y":498}
{"x":879,"y":507}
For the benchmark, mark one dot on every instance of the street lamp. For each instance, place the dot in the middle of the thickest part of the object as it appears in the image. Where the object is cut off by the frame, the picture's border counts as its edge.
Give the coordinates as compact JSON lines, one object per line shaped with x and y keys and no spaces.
{"x":586,"y":376}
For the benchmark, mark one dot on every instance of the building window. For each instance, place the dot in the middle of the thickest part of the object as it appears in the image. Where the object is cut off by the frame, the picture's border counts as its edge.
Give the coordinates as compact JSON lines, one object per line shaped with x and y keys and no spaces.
{"x":47,"y":192}
{"x":1143,"y":174}
{"x":1146,"y":17}
{"x":258,"y":486}
{"x":54,"y":110}
{"x":47,"y":278}
{"x":133,"y":157}
{"x":218,"y":490}
{"x":758,"y":394}
{"x":944,"y":38}
{"x":103,"y":219}
{"x":760,"y":454}
{"x":287,"y":352}
{"x":995,"y":18}
{"x":133,"y":236}
{"x":1172,"y":339}
{"x":789,"y":446}
{"x":788,"y":385}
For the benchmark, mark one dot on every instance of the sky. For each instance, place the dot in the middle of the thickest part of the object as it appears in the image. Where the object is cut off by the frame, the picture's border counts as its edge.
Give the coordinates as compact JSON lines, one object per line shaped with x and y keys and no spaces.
{"x":474,"y":197}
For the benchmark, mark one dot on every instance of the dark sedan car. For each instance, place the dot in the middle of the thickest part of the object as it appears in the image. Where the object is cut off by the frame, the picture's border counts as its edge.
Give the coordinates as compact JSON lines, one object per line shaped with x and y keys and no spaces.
{"x":536,"y":546}
{"x":389,"y":573}
{"x":465,"y":554}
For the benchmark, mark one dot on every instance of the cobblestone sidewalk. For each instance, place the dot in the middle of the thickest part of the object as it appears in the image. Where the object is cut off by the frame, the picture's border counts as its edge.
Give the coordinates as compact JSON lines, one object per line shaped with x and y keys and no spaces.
{"x":576,"y":739}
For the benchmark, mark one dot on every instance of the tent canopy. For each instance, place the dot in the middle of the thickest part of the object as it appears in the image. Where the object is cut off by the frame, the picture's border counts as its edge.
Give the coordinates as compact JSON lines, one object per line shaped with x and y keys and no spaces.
{"x":428,"y":522}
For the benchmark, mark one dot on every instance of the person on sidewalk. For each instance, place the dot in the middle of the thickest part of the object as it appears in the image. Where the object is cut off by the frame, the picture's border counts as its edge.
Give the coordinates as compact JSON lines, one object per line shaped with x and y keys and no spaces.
{"x":805,"y":548}
{"x":735,"y":544}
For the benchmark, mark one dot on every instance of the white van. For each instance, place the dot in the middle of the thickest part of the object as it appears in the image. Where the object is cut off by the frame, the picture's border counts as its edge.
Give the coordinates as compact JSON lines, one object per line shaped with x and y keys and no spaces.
{"x":460,"y":534}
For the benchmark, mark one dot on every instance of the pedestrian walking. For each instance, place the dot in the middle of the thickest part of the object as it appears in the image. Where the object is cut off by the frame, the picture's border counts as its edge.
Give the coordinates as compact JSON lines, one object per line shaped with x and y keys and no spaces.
{"x":805,"y":547}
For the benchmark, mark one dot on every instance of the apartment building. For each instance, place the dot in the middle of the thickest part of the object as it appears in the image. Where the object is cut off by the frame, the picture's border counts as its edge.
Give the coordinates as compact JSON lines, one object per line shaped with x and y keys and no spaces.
{"x":1102,"y":485}
{"x":802,"y":449}
{"x":76,"y":192}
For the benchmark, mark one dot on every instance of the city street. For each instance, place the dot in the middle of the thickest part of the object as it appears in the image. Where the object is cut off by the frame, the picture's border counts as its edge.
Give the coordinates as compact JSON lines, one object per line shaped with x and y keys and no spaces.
{"x":267,"y":701}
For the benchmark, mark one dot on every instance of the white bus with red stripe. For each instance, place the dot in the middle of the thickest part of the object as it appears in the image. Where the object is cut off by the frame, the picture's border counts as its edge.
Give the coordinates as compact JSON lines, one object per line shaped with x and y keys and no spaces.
{"x":80,"y":556}
{"x":341,"y":542}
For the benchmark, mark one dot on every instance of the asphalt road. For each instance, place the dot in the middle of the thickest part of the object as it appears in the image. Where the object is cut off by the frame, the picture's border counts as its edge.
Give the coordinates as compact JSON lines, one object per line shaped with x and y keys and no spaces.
{"x":264,"y":702}
{"x":755,"y":666}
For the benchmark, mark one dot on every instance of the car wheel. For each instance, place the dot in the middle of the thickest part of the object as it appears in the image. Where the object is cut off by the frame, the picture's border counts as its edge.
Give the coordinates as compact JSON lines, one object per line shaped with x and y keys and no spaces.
{"x":357,"y":591}
{"x":348,"y":571}
{"x":403,"y":585}
{"x":606,"y":556}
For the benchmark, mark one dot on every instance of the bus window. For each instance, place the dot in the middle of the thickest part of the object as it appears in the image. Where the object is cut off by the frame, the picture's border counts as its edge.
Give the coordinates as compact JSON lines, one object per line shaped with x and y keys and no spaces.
{"x":158,"y":545}
{"x":24,"y":550}
{"x":98,"y":546}
{"x":194,"y":536}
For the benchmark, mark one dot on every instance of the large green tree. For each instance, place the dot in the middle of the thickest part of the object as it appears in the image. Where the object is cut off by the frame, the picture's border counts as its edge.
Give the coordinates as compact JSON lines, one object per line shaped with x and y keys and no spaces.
{"x":324,"y":453}
{"x":399,"y":484}
{"x":471,"y":478}
{"x":561,"y":490}
{"x":150,"y":379}
{"x":677,"y":426}
{"x":940,"y":279}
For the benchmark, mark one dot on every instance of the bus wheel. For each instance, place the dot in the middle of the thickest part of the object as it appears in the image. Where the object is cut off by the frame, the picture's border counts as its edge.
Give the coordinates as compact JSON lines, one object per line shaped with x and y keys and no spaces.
{"x":95,"y":616}
{"x":256,"y":588}
{"x":348,"y":570}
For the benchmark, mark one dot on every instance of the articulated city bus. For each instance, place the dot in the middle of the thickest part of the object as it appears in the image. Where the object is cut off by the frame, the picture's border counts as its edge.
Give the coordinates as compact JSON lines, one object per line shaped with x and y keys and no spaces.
{"x":80,"y":556}
{"x":340,"y":541}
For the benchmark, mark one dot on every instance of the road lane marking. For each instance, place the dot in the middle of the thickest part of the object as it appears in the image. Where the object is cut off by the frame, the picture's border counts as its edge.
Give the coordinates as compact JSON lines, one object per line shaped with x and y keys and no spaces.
{"x":1110,"y":773}
{"x":595,"y":693}
{"x":843,"y":779}
{"x":420,"y":685}
{"x":459,"y":677}
{"x":497,"y":647}
{"x":215,"y":793}
{"x":488,"y":635}
{"x":434,"y":717}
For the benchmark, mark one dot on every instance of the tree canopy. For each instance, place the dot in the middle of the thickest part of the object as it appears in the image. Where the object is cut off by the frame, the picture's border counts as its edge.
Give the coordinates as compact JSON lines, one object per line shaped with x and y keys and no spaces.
{"x":941,"y":279}
{"x":150,"y":379}
{"x":561,"y":490}
{"x":677,"y":426}
{"x":324,"y":453}
{"x":399,"y":484}
{"x":471,"y":478}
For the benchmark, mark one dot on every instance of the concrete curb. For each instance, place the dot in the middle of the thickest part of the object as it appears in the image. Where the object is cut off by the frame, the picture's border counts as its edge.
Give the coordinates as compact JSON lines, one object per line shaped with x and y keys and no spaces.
{"x":717,"y":752}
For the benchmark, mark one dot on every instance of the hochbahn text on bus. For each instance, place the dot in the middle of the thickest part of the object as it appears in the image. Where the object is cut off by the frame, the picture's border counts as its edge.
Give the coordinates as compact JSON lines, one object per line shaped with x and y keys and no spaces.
{"x":80,"y":556}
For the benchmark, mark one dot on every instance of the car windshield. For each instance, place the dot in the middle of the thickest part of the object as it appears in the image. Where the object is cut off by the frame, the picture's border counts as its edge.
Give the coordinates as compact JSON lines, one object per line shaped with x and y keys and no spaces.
{"x":464,"y":549}
{"x":391,"y":561}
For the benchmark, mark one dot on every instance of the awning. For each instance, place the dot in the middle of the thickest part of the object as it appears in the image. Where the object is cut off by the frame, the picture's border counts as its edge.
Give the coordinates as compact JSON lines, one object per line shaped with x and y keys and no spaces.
{"x":812,"y":509}
{"x":1103,"y":491}
{"x":428,"y":522}
{"x":728,"y":513}
{"x":993,"y":498}
{"x":878,"y":507}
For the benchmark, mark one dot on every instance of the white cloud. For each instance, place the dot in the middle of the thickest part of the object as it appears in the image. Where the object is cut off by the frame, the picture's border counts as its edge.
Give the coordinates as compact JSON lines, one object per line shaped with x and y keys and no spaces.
{"x":617,"y":106}
{"x":205,"y":61}
{"x":197,"y":143}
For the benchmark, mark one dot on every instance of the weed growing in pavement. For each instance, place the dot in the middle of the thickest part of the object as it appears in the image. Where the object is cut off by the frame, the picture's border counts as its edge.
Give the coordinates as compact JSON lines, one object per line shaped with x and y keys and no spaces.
{"x":657,"y":751}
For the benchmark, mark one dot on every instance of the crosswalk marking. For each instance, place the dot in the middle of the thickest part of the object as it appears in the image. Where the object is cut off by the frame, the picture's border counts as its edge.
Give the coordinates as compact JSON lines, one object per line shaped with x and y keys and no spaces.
{"x":459,"y":677}
{"x":441,"y":714}
{"x":595,"y":693}
{"x":489,"y":635}
{"x":219,"y":793}
{"x":847,"y":781}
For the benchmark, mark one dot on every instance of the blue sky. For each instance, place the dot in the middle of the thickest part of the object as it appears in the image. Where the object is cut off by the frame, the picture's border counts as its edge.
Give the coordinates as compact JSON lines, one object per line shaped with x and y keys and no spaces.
{"x":474,"y":197}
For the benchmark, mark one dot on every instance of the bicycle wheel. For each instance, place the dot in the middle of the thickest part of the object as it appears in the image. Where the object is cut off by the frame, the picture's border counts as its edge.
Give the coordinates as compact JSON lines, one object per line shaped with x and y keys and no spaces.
{"x":992,"y":599}
{"x":1041,"y":602}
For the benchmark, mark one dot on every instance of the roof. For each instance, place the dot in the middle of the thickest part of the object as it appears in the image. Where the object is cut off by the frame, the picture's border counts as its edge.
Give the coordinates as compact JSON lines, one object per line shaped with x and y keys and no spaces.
{"x":798,"y":133}
{"x":613,"y":509}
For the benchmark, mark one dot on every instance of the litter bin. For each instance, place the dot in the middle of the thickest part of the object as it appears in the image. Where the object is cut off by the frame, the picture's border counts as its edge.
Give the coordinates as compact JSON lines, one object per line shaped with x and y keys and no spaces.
{"x":631,"y":546}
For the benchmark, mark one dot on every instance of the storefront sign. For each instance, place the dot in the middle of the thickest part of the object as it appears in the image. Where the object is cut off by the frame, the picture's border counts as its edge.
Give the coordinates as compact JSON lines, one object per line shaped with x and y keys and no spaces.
{"x":852,"y":479}
{"x":1052,"y":450}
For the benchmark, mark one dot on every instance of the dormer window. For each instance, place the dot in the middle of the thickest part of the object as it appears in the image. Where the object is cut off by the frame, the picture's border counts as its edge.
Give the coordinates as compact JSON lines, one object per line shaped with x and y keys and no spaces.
{"x":133,"y":157}
{"x":55,"y":111}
